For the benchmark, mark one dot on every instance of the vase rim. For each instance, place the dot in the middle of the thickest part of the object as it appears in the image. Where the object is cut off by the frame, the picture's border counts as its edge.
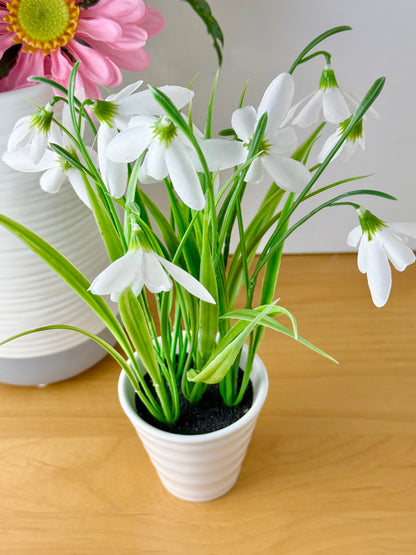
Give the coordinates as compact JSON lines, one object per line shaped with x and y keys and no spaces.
{"x":22,"y":90}
{"x":260,"y":384}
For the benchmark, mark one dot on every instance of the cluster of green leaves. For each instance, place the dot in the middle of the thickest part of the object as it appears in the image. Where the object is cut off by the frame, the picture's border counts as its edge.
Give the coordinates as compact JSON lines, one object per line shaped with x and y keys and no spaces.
{"x":185,"y":342}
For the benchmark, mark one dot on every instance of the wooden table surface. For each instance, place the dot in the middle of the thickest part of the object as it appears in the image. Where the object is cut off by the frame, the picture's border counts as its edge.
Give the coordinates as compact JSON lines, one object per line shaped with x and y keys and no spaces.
{"x":331,"y":468}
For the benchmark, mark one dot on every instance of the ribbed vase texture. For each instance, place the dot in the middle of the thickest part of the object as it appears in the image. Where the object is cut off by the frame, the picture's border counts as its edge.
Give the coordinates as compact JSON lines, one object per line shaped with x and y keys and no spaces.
{"x":31,"y":294}
{"x":199,"y":467}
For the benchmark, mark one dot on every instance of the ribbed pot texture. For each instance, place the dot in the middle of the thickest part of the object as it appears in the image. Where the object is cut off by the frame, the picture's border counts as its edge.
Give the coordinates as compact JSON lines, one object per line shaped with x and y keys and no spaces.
{"x":198,"y":467}
{"x":31,"y":294}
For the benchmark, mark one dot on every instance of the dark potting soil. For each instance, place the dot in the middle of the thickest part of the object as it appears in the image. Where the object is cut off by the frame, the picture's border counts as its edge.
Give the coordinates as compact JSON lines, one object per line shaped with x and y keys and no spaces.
{"x":209,"y":415}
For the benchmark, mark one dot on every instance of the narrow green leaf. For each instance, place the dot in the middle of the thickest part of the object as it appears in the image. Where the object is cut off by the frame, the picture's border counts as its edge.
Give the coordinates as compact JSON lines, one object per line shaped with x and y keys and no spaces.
{"x":208,"y":315}
{"x":126,"y":365}
{"x":316,"y":41}
{"x":134,"y":320}
{"x":201,"y":8}
{"x":227,"y":351}
{"x":268,"y":322}
{"x":64,"y":268}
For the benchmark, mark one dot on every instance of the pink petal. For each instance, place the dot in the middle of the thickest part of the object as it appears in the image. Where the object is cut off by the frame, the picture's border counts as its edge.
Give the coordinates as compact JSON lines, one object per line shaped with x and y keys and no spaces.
{"x":133,"y":60}
{"x":6,"y":42}
{"x":26,"y":65}
{"x":152,"y":22}
{"x":94,"y":66}
{"x":125,"y":11}
{"x":60,"y":66}
{"x":99,"y":29}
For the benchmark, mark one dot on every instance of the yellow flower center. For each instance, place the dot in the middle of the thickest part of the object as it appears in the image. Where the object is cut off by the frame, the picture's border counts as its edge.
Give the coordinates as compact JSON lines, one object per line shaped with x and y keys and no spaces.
{"x":42,"y":24}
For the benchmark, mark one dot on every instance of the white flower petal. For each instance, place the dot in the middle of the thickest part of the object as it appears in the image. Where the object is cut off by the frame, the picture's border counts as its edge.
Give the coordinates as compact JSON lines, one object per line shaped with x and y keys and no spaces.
{"x":52,"y":180}
{"x":187,"y":281}
{"x":153,"y":275}
{"x":328,"y":145}
{"x":255,"y":172}
{"x":144,"y":102}
{"x":137,"y":286}
{"x":288,"y":174}
{"x":119,"y":275}
{"x":354,"y":236}
{"x":78,"y":185}
{"x":283,"y":140}
{"x":220,"y":154}
{"x":38,"y":146}
{"x":311,"y":111}
{"x":118,"y":97}
{"x":21,"y":132}
{"x":353,"y":103}
{"x":183,"y":175}
{"x":20,"y":160}
{"x":400,"y":255}
{"x":244,"y":121}
{"x":363,"y":255}
{"x":378,"y":273}
{"x":296,"y":108}
{"x":154,"y":164}
{"x":277,"y":100}
{"x":114,"y":174}
{"x":129,"y":144}
{"x":335,"y":108}
{"x":405,"y":228}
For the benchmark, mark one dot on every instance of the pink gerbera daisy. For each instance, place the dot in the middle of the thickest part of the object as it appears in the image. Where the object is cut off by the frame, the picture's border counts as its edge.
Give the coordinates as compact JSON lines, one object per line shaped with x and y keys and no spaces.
{"x":46,"y":37}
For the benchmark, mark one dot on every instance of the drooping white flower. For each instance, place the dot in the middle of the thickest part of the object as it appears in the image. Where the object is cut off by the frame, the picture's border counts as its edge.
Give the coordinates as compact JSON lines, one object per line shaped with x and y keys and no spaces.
{"x":56,"y":170}
{"x":141,"y":267}
{"x":379,"y":244}
{"x":33,"y":131}
{"x":355,"y":138}
{"x":327,"y":103}
{"x":113,"y":113}
{"x":167,"y":150}
{"x":277,"y":142}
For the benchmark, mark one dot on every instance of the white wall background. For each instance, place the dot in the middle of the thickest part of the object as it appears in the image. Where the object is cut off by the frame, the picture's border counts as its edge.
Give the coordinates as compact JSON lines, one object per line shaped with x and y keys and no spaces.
{"x":262,"y":38}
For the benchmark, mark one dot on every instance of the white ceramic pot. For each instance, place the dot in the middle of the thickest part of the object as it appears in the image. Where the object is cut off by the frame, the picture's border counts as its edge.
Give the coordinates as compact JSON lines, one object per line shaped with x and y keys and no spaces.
{"x":31,"y":294}
{"x":198,"y":467}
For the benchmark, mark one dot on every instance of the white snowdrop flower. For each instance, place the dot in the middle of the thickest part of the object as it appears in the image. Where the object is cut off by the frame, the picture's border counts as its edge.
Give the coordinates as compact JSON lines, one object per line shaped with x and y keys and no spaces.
{"x":139,"y":267}
{"x":328,"y":103}
{"x":56,"y":171}
{"x":33,"y":131}
{"x":378,"y":244}
{"x":355,"y":138}
{"x":168,"y":152}
{"x":278,"y":143}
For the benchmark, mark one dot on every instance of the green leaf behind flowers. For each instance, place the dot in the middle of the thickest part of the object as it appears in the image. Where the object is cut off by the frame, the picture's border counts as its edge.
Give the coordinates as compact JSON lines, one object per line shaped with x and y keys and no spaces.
{"x":201,"y":7}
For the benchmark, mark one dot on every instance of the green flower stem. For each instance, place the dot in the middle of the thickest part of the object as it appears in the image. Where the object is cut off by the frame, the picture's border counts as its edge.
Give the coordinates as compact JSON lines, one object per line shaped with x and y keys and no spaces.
{"x":274,"y":241}
{"x":229,"y":216}
{"x":324,"y":53}
{"x":315,"y":42}
{"x":188,"y":248}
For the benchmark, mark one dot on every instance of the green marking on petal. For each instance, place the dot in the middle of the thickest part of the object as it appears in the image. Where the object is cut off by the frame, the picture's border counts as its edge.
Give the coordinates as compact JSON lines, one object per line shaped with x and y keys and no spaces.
{"x":370,"y":224}
{"x":105,"y":111}
{"x":328,"y":80}
{"x":263,"y":147}
{"x":355,"y":133}
{"x":165,"y":130}
{"x":42,"y":119}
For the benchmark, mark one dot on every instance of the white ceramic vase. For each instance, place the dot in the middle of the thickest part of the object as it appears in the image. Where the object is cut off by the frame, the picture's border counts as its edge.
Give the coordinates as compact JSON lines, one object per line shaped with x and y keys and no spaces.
{"x":31,"y":294}
{"x":198,"y":467}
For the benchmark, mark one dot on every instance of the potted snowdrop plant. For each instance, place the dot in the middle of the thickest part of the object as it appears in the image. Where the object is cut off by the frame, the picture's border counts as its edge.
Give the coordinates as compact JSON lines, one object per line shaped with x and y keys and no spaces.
{"x":192,"y":312}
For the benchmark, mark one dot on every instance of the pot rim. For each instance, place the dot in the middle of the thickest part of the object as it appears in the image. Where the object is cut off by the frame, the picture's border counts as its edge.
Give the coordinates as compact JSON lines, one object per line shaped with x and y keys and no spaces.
{"x":260,"y":382}
{"x":22,"y":91}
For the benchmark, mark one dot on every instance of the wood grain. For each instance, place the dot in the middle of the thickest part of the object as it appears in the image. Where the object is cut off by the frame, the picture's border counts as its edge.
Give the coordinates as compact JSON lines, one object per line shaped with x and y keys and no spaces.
{"x":331,"y":469}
